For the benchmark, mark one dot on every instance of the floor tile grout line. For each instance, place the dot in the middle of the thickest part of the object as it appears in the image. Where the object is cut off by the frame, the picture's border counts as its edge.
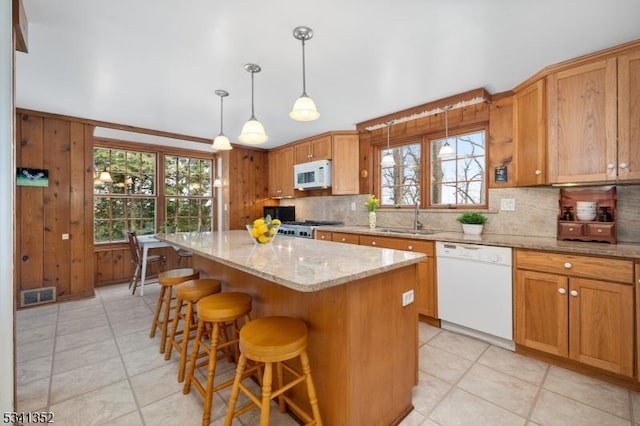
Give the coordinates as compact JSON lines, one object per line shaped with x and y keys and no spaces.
{"x":124,"y":366}
{"x":53,"y":359}
{"x":538,"y":393}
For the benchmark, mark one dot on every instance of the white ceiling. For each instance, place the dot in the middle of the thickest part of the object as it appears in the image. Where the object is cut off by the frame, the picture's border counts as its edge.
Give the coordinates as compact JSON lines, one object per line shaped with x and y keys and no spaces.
{"x":156,"y":63}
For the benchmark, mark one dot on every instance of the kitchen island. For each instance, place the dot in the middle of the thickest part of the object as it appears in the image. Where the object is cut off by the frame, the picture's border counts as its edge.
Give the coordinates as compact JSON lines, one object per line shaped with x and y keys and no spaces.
{"x":363,"y":343}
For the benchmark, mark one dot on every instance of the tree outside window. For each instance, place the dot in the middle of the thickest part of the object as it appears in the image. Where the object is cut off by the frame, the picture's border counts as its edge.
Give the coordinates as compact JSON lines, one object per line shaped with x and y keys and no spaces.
{"x":128,"y":200}
{"x":400,"y":184}
{"x":458,"y":179}
{"x":188,"y":193}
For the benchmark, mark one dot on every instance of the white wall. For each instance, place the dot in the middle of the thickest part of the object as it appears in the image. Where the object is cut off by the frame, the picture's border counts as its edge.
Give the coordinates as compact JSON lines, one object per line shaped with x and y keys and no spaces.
{"x":7,"y":185}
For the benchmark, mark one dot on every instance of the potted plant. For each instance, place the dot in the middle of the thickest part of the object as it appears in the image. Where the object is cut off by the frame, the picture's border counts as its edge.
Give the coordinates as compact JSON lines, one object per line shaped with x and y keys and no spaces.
{"x":472,"y":223}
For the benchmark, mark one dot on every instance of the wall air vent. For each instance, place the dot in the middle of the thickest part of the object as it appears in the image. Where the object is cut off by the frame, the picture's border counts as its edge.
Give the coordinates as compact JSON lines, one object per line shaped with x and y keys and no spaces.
{"x":37,"y":296}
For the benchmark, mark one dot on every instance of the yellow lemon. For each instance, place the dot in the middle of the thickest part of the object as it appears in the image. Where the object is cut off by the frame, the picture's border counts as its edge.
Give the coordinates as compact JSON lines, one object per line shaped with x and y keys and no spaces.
{"x":254,"y":232}
{"x":262,"y":229}
{"x":272,"y":231}
{"x":276,"y":222}
{"x":262,"y":239}
{"x":258,"y":222}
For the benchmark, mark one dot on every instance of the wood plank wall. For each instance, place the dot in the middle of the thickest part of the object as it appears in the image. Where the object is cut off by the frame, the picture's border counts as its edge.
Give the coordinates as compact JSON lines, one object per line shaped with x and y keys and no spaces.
{"x":45,"y":214}
{"x":64,"y":146}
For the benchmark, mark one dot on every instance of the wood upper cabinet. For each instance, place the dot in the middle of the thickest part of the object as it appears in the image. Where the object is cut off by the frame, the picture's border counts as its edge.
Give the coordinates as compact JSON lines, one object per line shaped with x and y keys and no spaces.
{"x":281,"y":173}
{"x":561,"y":312}
{"x":629,"y":116}
{"x":530,"y":134}
{"x":426,"y":296}
{"x":345,"y":164}
{"x":594,"y":121}
{"x":313,"y":150}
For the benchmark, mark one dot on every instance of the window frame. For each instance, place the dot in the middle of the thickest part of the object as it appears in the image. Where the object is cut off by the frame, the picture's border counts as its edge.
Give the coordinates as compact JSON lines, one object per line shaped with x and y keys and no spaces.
{"x":380,"y":145}
{"x":160,"y":152}
{"x":427,"y":138}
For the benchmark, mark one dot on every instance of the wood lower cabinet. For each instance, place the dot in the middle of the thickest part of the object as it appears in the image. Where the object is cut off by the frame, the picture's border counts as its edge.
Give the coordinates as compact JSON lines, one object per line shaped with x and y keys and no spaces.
{"x":426,"y":294}
{"x":342,"y":237}
{"x":281,"y":173}
{"x":562,"y":311}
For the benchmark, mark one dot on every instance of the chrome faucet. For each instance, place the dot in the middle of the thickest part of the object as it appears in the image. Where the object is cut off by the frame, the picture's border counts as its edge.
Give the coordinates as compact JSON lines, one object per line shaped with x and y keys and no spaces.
{"x":416,"y":223}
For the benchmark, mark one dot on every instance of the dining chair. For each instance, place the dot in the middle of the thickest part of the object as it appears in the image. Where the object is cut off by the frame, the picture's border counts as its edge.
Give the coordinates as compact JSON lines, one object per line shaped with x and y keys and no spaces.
{"x":136,"y":259}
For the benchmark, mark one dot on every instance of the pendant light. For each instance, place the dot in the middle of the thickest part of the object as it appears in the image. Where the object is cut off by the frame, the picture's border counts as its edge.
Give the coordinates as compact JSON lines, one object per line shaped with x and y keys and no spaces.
{"x":221,"y":142}
{"x":446,"y":151}
{"x":387,"y":160}
{"x":105,"y":177}
{"x":253,"y":131}
{"x":304,"y":109}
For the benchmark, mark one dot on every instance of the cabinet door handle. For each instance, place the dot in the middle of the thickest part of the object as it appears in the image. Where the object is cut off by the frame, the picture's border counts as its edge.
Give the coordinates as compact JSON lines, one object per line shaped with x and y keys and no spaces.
{"x":574,"y":293}
{"x":373,"y":243}
{"x":538,"y":172}
{"x":600,"y":230}
{"x":611,"y":166}
{"x":571,"y":229}
{"x":568,"y":265}
{"x":561,"y":290}
{"x":410,"y":247}
{"x":322,"y":238}
{"x":343,"y":240}
{"x":624,"y":165}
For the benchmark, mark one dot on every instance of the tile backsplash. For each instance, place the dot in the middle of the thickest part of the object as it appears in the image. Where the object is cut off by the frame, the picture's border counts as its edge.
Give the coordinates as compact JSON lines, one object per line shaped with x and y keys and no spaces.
{"x":535,"y":212}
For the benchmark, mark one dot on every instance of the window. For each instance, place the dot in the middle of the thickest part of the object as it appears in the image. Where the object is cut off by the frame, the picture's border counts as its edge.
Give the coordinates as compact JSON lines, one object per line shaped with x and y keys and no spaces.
{"x":128,"y":200}
{"x":401,"y":183}
{"x":187,"y":183}
{"x":458,"y":179}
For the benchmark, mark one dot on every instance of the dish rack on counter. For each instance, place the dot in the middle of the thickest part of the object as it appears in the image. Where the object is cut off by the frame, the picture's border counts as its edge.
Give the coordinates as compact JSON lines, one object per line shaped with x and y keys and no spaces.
{"x":601,"y":229}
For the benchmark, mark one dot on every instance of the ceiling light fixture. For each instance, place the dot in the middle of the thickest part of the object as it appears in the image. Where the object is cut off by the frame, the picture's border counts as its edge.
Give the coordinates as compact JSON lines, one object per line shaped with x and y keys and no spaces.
{"x":253,"y":131}
{"x":387,"y":159}
{"x":221,"y":142}
{"x":446,"y":151}
{"x":304,"y":109}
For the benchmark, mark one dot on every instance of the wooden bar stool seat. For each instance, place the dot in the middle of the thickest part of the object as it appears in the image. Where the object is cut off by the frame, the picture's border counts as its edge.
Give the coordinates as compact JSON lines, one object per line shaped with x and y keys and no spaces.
{"x":187,"y":293}
{"x":221,"y":311}
{"x":168,"y":280}
{"x":266,"y":341}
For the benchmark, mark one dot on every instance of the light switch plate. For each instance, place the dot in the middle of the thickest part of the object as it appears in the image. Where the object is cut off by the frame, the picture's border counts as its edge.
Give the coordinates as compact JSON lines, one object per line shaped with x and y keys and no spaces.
{"x":508,"y":204}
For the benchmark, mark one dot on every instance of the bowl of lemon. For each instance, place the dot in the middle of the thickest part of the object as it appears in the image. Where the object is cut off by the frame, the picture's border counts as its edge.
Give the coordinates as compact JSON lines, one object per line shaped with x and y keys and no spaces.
{"x":263,"y":230}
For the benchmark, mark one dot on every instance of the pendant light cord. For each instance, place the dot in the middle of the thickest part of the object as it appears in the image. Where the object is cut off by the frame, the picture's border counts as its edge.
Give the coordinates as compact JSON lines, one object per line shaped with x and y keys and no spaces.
{"x":221,"y":121}
{"x":304,"y":73}
{"x":253,"y":117}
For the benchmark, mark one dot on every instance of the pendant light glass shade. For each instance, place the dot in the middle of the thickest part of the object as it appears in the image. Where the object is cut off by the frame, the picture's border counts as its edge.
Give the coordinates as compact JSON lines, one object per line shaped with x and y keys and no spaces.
{"x":446,"y":151}
{"x":253,"y":131}
{"x":304,"y":109}
{"x":221,"y":142}
{"x":387,"y":159}
{"x":217,"y":183}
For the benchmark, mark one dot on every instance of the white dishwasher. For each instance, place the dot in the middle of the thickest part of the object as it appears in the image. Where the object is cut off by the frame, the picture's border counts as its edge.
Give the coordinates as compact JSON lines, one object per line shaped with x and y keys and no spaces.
{"x":475,"y":291}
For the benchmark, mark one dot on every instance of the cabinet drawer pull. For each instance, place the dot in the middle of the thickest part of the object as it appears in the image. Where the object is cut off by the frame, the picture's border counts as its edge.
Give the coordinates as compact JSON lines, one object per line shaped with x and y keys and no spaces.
{"x":568,"y":265}
{"x":571,"y":229}
{"x":574,"y":293}
{"x":538,"y":172}
{"x":373,"y":243}
{"x":600,"y":230}
{"x":562,"y":290}
{"x":343,"y":240}
{"x":322,"y":238}
{"x":410,"y":247}
{"x":611,"y":166}
{"x":624,"y":165}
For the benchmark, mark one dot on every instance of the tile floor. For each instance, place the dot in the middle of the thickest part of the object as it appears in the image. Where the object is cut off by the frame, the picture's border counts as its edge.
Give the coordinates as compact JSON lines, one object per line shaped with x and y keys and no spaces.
{"x":92,"y":362}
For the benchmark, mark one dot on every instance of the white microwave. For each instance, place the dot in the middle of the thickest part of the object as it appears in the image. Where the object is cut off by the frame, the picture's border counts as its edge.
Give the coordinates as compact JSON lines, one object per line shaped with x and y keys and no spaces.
{"x":312,"y":175}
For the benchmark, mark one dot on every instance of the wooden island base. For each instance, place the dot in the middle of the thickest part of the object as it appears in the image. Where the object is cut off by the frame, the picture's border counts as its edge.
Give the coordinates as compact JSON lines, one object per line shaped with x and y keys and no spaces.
{"x":363,"y":344}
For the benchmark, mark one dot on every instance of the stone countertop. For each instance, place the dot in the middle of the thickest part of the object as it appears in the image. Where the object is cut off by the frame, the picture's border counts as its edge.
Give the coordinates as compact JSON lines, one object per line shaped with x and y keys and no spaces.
{"x":628,"y":250}
{"x":301,"y":264}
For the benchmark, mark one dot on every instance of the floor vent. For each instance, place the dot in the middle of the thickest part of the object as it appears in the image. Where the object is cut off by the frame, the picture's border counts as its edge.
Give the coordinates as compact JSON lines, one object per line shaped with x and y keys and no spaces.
{"x":37,"y":296}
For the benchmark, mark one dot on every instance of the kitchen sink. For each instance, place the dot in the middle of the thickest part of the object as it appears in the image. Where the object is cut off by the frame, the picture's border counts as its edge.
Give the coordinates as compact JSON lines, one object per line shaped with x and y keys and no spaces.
{"x":406,"y":231}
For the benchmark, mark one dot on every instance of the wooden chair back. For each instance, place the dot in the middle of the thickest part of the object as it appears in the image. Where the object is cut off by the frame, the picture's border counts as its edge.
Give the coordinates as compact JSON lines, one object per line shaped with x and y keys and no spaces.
{"x":134,"y":245}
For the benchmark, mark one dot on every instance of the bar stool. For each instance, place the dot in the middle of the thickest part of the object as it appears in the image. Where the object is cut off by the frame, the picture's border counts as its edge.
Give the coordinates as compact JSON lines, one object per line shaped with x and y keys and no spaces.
{"x":167,"y":280}
{"x":188,"y":292}
{"x":266,"y":341}
{"x":221,"y":311}
{"x":184,"y":254}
